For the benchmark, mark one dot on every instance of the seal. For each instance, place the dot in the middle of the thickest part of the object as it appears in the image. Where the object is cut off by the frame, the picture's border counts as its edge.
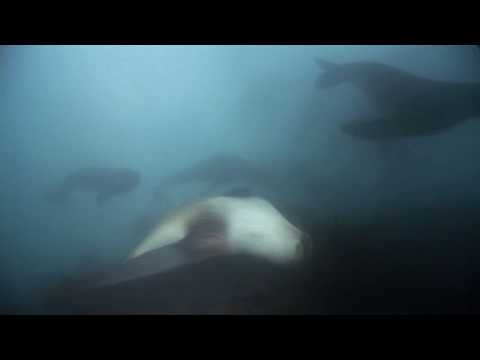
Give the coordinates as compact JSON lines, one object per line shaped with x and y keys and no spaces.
{"x":409,"y":105}
{"x":210,"y":228}
{"x":222,"y":169}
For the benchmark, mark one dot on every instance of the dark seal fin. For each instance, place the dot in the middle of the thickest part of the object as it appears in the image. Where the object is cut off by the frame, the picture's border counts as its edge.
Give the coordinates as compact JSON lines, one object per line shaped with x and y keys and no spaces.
{"x":388,"y":129}
{"x":373,"y":129}
{"x":151,"y":263}
{"x":206,"y":238}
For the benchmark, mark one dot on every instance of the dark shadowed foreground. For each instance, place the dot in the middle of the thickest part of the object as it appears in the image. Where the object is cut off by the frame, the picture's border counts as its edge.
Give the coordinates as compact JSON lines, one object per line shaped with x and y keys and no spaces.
{"x":229,"y":285}
{"x":420,"y":265}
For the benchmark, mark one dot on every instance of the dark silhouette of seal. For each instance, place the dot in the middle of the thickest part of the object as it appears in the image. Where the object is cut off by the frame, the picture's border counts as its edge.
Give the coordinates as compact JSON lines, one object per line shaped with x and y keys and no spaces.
{"x":219,"y":170}
{"x":409,"y":105}
{"x":106,"y":183}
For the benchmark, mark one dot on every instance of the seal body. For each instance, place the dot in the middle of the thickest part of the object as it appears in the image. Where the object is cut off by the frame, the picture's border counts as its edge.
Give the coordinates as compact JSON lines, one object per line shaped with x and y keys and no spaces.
{"x":408,"y":105}
{"x":223,"y":224}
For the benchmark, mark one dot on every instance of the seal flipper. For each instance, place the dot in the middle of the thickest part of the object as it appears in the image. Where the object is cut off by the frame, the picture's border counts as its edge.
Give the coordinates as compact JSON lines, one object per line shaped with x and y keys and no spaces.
{"x":150,"y":263}
{"x":392,"y":128}
{"x":374,"y":129}
{"x":206,"y":238}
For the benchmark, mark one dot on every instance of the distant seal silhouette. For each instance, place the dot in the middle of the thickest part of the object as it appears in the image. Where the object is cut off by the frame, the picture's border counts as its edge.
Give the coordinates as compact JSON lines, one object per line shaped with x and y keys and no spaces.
{"x":409,"y":105}
{"x":106,"y":183}
{"x":222,"y":169}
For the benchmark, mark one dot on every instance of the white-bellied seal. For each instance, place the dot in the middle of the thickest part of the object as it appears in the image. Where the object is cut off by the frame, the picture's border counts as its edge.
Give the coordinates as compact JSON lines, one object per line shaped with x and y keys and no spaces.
{"x":213,"y":227}
{"x":106,"y":183}
{"x":409,"y":105}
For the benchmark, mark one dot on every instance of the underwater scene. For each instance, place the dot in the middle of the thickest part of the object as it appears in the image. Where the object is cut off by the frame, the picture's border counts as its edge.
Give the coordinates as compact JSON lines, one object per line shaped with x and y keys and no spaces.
{"x":239,"y":179}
